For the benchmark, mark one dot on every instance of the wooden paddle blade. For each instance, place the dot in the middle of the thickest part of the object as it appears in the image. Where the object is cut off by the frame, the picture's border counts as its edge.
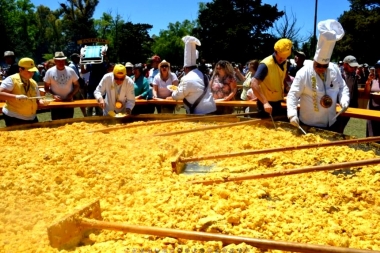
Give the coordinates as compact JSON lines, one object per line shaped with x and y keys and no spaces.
{"x":175,"y":161}
{"x":67,"y":232}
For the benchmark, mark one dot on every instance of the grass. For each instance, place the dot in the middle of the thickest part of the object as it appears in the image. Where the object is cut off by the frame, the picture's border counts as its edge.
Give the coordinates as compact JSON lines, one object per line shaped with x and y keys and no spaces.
{"x":355,"y":127}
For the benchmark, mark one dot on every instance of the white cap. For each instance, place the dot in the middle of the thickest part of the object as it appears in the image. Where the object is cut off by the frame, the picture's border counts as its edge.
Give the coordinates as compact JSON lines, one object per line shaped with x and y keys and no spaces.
{"x":330,"y":31}
{"x":191,"y":53}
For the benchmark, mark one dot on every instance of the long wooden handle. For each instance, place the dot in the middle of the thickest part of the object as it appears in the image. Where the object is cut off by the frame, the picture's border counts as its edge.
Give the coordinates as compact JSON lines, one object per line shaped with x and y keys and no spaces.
{"x":227,"y":239}
{"x":281,"y":149}
{"x":291,"y":172}
{"x":210,"y":127}
{"x":105,"y":130}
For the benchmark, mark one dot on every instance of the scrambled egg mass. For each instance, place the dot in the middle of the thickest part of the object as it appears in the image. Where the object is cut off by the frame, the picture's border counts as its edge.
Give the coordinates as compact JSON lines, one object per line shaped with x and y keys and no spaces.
{"x":47,"y":173}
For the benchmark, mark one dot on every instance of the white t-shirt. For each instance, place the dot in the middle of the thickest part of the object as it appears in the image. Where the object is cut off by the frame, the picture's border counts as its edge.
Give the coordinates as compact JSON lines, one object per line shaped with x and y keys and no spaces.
{"x":61,"y":81}
{"x":162,"y":90}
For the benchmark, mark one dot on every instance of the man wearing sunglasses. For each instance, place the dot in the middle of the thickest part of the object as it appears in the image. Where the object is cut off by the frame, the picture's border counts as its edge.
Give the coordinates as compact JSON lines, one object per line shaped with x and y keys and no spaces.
{"x":118,"y":89}
{"x":319,"y":84}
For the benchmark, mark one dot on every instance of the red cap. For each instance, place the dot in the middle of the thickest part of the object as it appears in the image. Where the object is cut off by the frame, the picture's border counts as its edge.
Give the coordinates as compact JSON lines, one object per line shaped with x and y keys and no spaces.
{"x":156,"y":58}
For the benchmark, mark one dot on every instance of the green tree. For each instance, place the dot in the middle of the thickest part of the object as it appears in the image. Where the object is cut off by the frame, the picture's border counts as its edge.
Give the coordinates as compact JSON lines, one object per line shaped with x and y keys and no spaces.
{"x":18,"y":27}
{"x":104,"y":25}
{"x":236,"y":30}
{"x":286,"y":27}
{"x":49,"y":37}
{"x":169,"y":45}
{"x":77,"y":22}
{"x":361,"y":38}
{"x":133,"y":43}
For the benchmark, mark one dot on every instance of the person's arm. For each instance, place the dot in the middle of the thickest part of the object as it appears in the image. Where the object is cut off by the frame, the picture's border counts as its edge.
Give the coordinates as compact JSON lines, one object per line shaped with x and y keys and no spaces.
{"x":6,"y":88}
{"x":256,"y":81}
{"x":73,"y":92}
{"x":367,"y":87}
{"x":146,"y":88}
{"x":154,"y":90}
{"x":100,"y":92}
{"x":233,"y":86}
{"x":179,"y":94}
{"x":84,"y":70}
{"x":239,"y":75}
{"x":255,"y":85}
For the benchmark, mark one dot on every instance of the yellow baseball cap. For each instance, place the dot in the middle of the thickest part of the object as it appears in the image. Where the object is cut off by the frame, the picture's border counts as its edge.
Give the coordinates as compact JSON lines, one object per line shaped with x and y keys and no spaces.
{"x":119,"y":70}
{"x":283,"y":47}
{"x":28,"y":64}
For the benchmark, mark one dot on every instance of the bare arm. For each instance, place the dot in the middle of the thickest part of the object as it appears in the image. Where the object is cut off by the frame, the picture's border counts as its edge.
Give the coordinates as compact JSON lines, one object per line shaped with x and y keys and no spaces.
{"x":255,"y":85}
{"x":239,"y":75}
{"x":6,"y":95}
{"x":367,"y":87}
{"x":233,"y":91}
{"x":74,"y":91}
{"x":154,"y":91}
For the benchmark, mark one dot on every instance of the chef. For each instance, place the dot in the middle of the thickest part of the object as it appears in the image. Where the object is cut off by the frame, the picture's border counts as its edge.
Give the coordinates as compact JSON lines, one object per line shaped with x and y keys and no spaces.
{"x":319,"y":85}
{"x":118,"y":89}
{"x":194,"y":88}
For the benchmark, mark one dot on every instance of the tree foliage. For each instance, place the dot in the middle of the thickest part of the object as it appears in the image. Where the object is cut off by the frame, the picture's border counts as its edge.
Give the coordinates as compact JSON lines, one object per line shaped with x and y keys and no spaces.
{"x":17,"y":26}
{"x":133,"y":43}
{"x":286,"y":27}
{"x":77,"y":22}
{"x":169,"y":44}
{"x":360,"y":23}
{"x":236,"y":30}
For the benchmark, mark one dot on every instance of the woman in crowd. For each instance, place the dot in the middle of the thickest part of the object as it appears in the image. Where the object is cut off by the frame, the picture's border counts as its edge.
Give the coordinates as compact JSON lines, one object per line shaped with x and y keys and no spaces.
{"x":142,"y":90}
{"x":252,"y":67}
{"x":223,"y":85}
{"x":372,"y":91}
{"x":160,"y":86}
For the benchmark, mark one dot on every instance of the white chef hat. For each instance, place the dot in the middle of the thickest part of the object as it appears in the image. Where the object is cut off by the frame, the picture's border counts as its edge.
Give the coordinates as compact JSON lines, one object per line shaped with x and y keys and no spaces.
{"x":191,"y":53}
{"x":330,"y":31}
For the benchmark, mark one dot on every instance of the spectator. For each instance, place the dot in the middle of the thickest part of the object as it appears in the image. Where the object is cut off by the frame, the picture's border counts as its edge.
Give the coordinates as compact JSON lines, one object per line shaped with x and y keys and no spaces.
{"x":74,"y":64}
{"x":154,"y":61}
{"x":160,"y":86}
{"x":223,"y":85}
{"x":349,"y":68}
{"x":372,"y":91}
{"x":142,"y":90}
{"x":10,"y":60}
{"x":62,"y":82}
{"x":252,"y":68}
{"x":299,"y":59}
{"x":129,"y":67}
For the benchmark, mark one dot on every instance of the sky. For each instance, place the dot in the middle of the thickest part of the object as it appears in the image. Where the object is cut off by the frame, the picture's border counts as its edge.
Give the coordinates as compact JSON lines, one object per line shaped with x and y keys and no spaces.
{"x":161,"y":13}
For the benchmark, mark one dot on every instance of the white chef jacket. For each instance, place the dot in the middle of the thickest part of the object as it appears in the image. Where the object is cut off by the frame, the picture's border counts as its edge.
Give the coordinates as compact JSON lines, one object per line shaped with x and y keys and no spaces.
{"x":108,"y":87}
{"x":302,"y":92}
{"x":191,"y":87}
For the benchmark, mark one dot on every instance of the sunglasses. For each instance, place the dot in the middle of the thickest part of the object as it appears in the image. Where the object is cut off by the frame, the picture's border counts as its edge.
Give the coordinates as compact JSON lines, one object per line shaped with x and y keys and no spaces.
{"x":118,"y":79}
{"x":166,"y":66}
{"x":321,"y":66}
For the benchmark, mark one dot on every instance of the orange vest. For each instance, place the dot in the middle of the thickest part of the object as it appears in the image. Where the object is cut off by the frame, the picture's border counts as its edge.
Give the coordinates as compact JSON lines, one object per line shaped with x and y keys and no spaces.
{"x":273,"y":84}
{"x":27,"y":107}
